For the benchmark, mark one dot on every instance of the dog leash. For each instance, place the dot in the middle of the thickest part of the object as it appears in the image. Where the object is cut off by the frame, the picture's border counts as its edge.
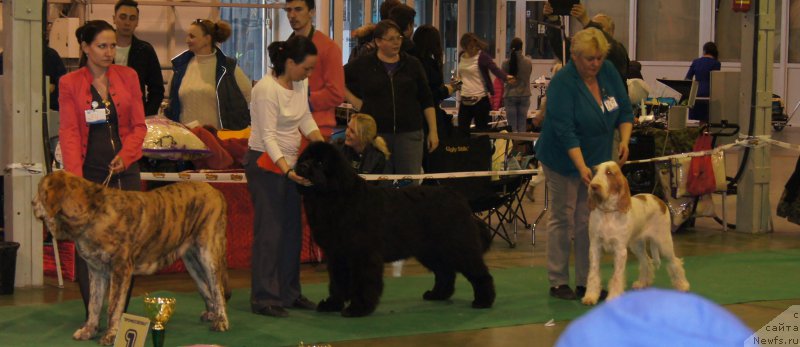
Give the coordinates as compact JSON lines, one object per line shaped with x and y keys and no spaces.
{"x":108,"y":178}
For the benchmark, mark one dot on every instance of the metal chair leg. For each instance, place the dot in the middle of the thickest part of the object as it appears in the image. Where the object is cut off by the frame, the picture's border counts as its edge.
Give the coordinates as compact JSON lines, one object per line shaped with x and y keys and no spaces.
{"x":541,"y":214}
{"x":724,"y":215}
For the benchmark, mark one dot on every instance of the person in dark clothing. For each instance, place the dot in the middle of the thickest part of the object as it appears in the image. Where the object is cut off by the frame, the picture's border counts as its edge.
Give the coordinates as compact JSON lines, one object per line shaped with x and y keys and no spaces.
{"x":391,"y":86}
{"x":429,"y":52}
{"x":789,"y":204}
{"x":403,"y":16}
{"x":365,"y":44}
{"x":386,"y":8}
{"x":138,"y":55}
{"x":362,"y":147}
{"x":635,"y":70}
{"x":53,"y":68}
{"x":700,"y":70}
{"x":617,"y":55}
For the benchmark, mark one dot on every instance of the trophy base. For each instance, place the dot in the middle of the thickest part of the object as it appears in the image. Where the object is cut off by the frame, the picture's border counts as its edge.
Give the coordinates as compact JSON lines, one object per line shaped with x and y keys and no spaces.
{"x":158,"y":337}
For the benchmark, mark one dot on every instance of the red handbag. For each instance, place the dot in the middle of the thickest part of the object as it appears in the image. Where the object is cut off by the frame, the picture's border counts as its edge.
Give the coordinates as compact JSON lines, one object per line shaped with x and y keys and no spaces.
{"x":700,"y":180}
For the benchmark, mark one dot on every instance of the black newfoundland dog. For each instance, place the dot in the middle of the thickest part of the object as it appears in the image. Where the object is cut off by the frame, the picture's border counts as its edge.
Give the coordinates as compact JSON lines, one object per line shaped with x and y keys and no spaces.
{"x":360,"y":227}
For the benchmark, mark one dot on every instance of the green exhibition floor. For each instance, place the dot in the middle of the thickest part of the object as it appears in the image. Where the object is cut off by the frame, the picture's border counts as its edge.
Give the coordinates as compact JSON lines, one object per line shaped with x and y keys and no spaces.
{"x":521,"y":299}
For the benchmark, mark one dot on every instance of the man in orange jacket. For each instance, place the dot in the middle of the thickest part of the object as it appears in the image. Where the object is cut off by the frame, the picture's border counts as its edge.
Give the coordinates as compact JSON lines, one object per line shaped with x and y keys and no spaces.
{"x":327,"y":81}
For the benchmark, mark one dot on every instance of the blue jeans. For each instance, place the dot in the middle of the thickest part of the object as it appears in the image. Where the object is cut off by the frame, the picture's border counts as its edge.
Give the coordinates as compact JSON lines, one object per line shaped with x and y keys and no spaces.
{"x":517,"y":112}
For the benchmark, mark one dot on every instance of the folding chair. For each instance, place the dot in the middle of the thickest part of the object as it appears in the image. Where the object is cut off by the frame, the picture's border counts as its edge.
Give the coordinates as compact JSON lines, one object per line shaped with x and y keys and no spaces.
{"x":512,"y":209}
{"x":518,"y":211}
{"x":459,"y":154}
{"x":499,"y":203}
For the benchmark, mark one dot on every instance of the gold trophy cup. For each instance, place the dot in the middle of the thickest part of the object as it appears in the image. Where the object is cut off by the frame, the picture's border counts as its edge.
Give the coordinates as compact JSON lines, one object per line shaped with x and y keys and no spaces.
{"x":159,"y":310}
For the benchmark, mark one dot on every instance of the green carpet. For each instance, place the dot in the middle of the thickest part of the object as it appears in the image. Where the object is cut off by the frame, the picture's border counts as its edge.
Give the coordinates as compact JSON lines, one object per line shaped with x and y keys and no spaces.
{"x":521,"y":299}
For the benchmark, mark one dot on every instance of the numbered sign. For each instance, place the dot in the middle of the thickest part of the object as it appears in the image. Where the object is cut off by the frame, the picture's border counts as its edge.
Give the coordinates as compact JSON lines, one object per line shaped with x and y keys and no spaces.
{"x":132,"y":331}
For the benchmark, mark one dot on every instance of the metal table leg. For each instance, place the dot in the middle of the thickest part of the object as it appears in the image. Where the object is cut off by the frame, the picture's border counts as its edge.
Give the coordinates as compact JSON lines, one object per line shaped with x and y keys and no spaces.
{"x":541,"y":214}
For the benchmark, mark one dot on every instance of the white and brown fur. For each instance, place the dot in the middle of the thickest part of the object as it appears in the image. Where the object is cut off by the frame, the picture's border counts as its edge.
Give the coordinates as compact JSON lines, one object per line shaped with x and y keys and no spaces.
{"x":618,"y":221}
{"x":121,"y":233}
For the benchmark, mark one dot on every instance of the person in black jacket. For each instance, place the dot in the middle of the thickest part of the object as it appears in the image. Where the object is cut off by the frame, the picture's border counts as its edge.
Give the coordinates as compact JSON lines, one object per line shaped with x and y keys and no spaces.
{"x":429,"y":51}
{"x":53,"y":68}
{"x":365,"y":44}
{"x":391,"y":86}
{"x":362,"y":147}
{"x":138,"y":55}
{"x":403,"y":15}
{"x":617,"y":55}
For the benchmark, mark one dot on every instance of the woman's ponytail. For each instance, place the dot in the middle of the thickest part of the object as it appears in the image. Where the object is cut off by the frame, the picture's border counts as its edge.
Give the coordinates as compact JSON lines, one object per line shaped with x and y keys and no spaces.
{"x":513,"y":61}
{"x":380,"y":144}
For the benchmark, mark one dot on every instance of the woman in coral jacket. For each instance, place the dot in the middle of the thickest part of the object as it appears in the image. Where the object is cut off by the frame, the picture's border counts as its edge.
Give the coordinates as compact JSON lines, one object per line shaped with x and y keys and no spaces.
{"x":102,"y":120}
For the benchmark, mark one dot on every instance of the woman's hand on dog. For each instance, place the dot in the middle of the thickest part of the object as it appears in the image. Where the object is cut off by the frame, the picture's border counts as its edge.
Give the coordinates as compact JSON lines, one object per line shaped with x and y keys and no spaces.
{"x":298,"y":179}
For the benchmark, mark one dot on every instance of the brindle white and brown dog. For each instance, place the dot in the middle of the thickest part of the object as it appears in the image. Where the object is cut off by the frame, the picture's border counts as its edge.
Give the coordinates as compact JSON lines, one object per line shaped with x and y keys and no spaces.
{"x":617,"y":222}
{"x":122,"y":233}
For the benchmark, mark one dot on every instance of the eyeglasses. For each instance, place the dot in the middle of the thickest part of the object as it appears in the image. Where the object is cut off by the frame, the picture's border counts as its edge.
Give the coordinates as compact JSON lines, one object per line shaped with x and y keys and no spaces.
{"x":392,"y":39}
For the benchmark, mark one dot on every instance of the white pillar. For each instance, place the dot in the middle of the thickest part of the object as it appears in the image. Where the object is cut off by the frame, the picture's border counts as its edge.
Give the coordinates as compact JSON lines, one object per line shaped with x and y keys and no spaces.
{"x":322,"y":16}
{"x":500,"y":31}
{"x":338,"y":22}
{"x":753,"y":213}
{"x":21,"y":124}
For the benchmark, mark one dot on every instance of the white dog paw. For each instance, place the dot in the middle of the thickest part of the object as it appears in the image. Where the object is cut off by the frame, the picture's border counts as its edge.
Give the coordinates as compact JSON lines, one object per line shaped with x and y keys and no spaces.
{"x":108,"y":339}
{"x":682,"y":286}
{"x":84,"y":333}
{"x":220,"y":325}
{"x":613,"y":295}
{"x":590,"y":299}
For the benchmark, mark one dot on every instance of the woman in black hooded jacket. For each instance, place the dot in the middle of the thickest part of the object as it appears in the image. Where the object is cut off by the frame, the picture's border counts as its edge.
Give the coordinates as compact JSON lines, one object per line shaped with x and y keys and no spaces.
{"x":391,"y":86}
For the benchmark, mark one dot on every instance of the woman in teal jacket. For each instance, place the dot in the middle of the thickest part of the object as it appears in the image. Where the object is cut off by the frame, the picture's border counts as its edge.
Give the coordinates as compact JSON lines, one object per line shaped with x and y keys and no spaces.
{"x":586,"y":102}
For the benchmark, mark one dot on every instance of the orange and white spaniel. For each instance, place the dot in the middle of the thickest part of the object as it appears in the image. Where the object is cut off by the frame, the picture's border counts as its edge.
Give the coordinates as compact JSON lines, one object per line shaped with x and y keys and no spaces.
{"x":618,"y":221}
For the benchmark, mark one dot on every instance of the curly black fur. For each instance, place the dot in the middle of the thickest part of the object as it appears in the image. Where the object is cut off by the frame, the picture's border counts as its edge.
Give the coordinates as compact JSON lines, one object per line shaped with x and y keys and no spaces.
{"x":360,"y":226}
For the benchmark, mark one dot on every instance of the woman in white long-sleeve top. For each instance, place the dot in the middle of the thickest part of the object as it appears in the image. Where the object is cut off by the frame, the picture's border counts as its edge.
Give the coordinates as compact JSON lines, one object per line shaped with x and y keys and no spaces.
{"x":279,"y":108}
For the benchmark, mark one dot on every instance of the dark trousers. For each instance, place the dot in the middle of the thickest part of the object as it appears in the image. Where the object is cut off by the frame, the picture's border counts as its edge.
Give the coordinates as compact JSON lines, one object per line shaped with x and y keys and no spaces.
{"x":128,"y":180}
{"x":277,"y":236}
{"x":479,"y":112}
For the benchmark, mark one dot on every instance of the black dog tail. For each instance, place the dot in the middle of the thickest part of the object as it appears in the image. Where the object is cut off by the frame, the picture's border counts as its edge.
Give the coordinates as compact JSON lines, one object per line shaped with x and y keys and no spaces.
{"x":485,"y":233}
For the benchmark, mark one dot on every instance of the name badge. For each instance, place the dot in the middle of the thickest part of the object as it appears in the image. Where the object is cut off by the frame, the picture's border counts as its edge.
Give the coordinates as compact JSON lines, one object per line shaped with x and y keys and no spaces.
{"x":610,"y":103}
{"x":96,"y":116}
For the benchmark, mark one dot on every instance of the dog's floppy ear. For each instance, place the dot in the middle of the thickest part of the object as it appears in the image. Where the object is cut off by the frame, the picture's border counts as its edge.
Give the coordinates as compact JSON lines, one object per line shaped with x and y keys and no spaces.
{"x":624,"y":201}
{"x":592,"y":201}
{"x":51,"y":191}
{"x":67,"y":196}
